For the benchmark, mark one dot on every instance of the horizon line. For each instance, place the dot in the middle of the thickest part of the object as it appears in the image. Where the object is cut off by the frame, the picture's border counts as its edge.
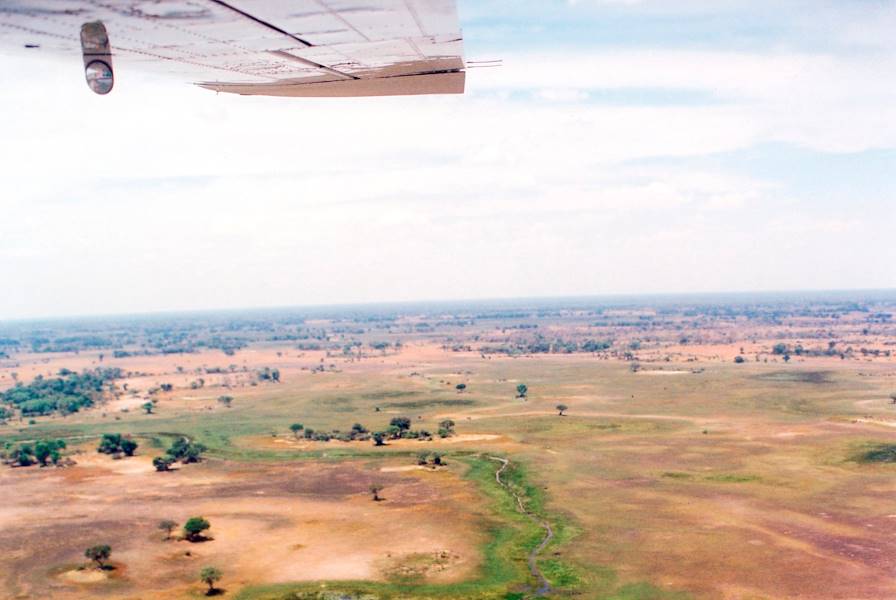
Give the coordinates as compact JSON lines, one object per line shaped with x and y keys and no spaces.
{"x":816,"y":294}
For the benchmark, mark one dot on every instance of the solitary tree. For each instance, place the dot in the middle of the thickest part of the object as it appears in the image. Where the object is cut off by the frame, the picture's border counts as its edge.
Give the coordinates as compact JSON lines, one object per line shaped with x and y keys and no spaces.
{"x":893,"y":398}
{"x":562,"y":408}
{"x":522,"y":390}
{"x":148,"y":406}
{"x":194,"y":527}
{"x":296,"y":428}
{"x":98,"y":554}
{"x":375,"y":489}
{"x":128,"y":446}
{"x":446,"y":428}
{"x":167,"y":526}
{"x":403,"y":423}
{"x":162,"y":463}
{"x":225,"y":400}
{"x":460,"y":387}
{"x":378,"y":439}
{"x":210,"y":576}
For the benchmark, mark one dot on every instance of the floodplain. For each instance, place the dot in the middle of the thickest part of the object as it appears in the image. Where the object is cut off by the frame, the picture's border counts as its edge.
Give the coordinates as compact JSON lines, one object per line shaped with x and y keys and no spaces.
{"x":687,"y":449}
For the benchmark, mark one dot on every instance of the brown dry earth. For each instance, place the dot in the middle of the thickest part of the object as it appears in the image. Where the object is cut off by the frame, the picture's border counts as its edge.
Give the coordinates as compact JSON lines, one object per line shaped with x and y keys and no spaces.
{"x":270,"y":523}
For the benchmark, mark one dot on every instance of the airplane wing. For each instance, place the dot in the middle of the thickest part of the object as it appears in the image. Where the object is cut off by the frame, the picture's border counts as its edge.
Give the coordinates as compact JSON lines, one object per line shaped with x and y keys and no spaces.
{"x":255,"y":47}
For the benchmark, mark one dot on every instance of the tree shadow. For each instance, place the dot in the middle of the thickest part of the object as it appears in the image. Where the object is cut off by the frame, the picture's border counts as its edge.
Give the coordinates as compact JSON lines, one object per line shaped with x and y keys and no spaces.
{"x":216,"y":592}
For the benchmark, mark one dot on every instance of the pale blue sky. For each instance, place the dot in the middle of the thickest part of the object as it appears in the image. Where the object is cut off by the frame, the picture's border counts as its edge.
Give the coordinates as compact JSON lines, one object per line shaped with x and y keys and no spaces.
{"x":625,"y":146}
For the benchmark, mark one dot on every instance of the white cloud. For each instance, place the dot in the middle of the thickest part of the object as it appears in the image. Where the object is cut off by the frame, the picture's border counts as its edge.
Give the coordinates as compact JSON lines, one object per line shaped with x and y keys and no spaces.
{"x":166,"y":196}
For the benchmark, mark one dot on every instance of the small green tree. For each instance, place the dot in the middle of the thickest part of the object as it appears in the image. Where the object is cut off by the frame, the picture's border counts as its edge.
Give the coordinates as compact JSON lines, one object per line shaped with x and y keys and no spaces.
{"x":562,"y":408}
{"x":460,"y":387}
{"x":148,"y":406}
{"x":98,"y":554}
{"x":194,"y":527}
{"x":522,"y":390}
{"x":296,"y":428}
{"x":893,"y":398}
{"x":225,"y":401}
{"x":167,"y":526}
{"x":210,"y":576}
{"x":378,"y":439}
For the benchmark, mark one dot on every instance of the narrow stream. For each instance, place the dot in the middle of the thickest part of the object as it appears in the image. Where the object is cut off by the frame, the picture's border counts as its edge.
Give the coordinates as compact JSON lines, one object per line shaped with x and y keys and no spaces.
{"x":544,"y":587}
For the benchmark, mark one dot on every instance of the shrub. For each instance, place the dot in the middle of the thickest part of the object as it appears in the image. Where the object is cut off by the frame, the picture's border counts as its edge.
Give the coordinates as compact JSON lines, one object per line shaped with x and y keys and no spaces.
{"x":186,"y":451}
{"x":99,"y":553}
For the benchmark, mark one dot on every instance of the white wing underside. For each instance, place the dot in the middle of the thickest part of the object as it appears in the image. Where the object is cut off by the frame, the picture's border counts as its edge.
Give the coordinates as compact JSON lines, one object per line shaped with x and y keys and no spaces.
{"x":261,"y":47}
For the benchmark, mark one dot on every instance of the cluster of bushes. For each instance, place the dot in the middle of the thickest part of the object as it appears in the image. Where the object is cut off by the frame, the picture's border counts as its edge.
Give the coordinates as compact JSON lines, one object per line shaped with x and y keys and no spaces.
{"x":42,"y":452}
{"x":542,"y":346}
{"x":357,"y":433}
{"x":66,"y":394}
{"x":430,"y":458}
{"x":399,"y":428}
{"x":117,"y":445}
{"x":182,"y":450}
{"x":269,"y":374}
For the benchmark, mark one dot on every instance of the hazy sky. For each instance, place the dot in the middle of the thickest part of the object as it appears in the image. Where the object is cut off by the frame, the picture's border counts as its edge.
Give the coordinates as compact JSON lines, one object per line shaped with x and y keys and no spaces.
{"x":625,"y":146}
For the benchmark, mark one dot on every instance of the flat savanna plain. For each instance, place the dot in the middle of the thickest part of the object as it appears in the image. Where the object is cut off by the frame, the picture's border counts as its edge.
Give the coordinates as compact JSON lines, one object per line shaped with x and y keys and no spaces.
{"x":676,"y":477}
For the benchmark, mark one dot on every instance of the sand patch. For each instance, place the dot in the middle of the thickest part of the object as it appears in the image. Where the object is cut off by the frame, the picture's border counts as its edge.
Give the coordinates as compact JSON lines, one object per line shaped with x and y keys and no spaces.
{"x":84,"y":576}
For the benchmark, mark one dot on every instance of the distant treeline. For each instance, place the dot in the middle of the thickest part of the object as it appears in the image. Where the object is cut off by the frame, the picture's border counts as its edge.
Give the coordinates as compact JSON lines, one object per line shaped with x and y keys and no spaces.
{"x":543,"y":346}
